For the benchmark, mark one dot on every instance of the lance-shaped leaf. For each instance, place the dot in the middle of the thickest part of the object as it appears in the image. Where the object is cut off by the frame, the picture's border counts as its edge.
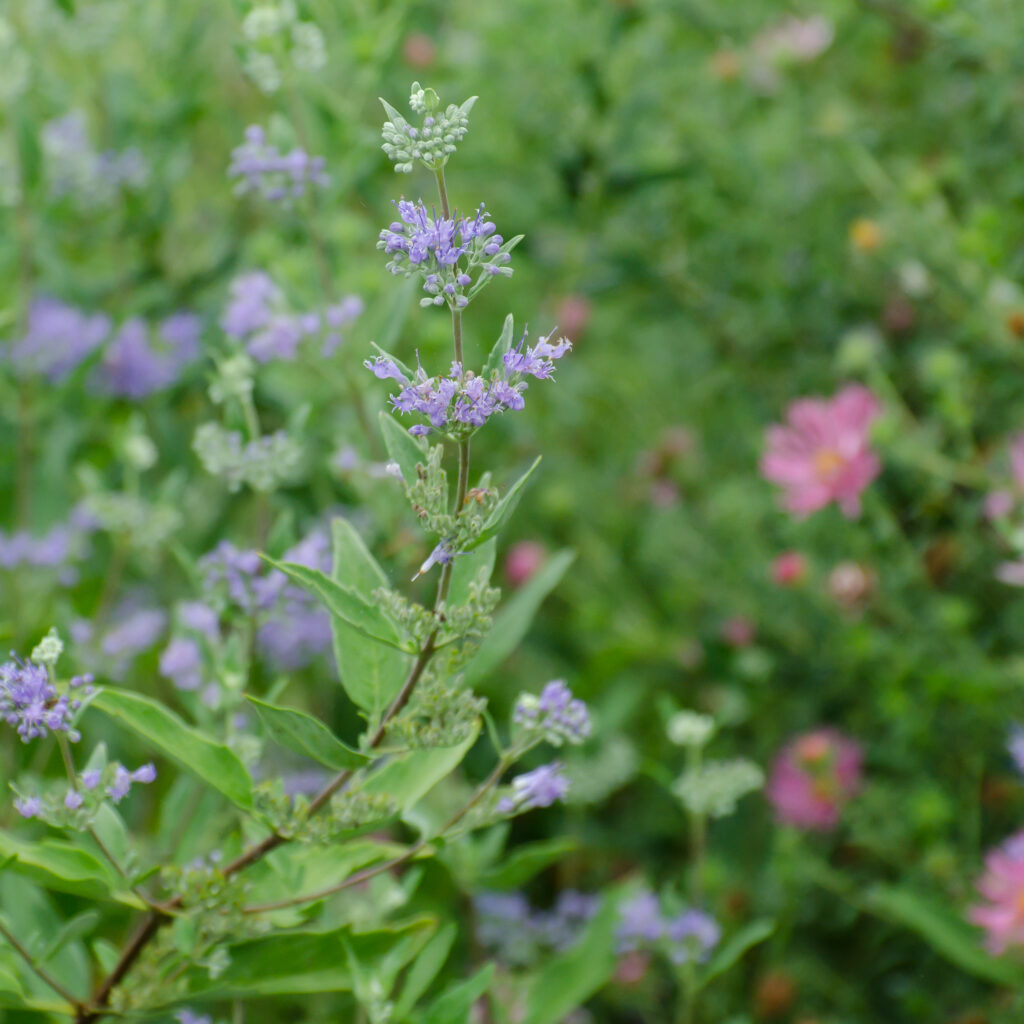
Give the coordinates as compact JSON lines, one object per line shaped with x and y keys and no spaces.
{"x":568,"y":980}
{"x":733,"y":949}
{"x":514,"y":618}
{"x":425,"y":968}
{"x":408,"y":777}
{"x":342,"y":602}
{"x":454,"y":1006}
{"x":505,"y":507}
{"x":304,"y":962}
{"x":160,"y":727}
{"x":501,"y":346}
{"x":526,"y":861}
{"x":403,"y":448}
{"x":306,"y":735}
{"x":57,"y":865}
{"x":371,"y":673}
{"x":945,"y":931}
{"x":467,"y":567}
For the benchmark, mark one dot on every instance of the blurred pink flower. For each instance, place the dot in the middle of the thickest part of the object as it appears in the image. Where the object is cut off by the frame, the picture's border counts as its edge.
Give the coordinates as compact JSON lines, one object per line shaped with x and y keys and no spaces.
{"x":822,"y":452}
{"x":1011,"y":573}
{"x":523,"y":560}
{"x":998,"y":504}
{"x":789,"y":568}
{"x":738,"y":631}
{"x":1002,"y":885}
{"x":813,"y":777}
{"x":572,"y":316}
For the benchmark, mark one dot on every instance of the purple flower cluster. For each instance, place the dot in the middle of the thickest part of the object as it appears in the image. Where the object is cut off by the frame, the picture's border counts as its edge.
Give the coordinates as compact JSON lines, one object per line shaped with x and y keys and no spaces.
{"x":690,"y":935}
{"x":30,"y":700}
{"x":294,"y":628}
{"x":262,"y":168}
{"x":55,"y":549}
{"x":115,"y":781}
{"x":540,"y":788}
{"x":58,"y":339}
{"x":555,"y":716}
{"x":510,"y":927}
{"x":256,"y":316}
{"x":136,"y":363}
{"x":462,"y":401}
{"x":447,"y":251}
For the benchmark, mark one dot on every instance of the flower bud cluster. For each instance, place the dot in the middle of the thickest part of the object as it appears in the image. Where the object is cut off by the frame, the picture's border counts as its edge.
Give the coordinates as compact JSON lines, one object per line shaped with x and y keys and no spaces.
{"x":434,"y":141}
{"x":288,"y":814}
{"x":273,"y":33}
{"x":76,"y":806}
{"x":460,"y":403}
{"x":715,"y":788}
{"x":456,"y":256}
{"x":264,"y":464}
{"x":555,"y":717}
{"x":690,"y":729}
{"x":438,"y":715}
{"x":33,"y":701}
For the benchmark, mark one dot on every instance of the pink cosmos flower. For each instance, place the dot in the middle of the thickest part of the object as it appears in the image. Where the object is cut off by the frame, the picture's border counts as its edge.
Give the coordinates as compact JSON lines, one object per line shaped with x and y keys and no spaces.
{"x":1002,"y":885}
{"x":822,"y":452}
{"x":789,"y":568}
{"x":1000,"y":503}
{"x":523,"y":560}
{"x":813,"y":777}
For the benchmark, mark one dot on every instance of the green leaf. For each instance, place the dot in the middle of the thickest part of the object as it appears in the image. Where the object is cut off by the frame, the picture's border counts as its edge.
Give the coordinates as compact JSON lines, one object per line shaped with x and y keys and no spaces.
{"x":570,"y":979}
{"x":466,"y":568}
{"x":501,"y":346}
{"x":523,"y":863}
{"x":302,"y":962}
{"x":212,"y":762}
{"x":730,"y":952}
{"x":393,"y":115}
{"x":58,"y":865}
{"x":505,"y":507}
{"x":342,"y":602}
{"x":406,"y":450}
{"x":306,"y":735}
{"x":454,"y":1006}
{"x":947,"y":933}
{"x":408,"y":777}
{"x":371,"y":673}
{"x":425,"y":968}
{"x":71,"y":931}
{"x":514,"y":618}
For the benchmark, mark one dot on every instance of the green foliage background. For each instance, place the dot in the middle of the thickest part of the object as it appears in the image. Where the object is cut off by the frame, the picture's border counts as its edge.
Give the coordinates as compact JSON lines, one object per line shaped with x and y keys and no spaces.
{"x":705,"y":223}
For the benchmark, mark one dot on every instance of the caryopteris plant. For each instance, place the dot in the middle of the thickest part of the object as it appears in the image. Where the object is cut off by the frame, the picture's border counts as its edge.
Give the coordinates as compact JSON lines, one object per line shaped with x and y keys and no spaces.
{"x":298,"y":894}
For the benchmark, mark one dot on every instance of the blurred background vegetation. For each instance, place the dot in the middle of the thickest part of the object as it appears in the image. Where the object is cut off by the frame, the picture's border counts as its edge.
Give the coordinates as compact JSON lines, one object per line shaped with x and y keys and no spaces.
{"x":723,"y":218}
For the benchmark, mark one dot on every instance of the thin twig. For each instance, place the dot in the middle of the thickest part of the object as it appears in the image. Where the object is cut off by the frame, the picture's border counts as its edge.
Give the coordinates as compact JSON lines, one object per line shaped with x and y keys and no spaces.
{"x":41,"y":974}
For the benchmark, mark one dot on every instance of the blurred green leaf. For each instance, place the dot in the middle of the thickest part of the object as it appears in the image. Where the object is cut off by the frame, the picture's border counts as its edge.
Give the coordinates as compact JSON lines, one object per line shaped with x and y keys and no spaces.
{"x":297,"y":731}
{"x":212,"y":762}
{"x":513,"y":620}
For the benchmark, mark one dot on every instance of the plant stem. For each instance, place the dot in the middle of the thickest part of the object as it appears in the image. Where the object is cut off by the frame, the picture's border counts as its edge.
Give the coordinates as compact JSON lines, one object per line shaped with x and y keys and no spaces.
{"x":37,"y":970}
{"x":158,"y":916}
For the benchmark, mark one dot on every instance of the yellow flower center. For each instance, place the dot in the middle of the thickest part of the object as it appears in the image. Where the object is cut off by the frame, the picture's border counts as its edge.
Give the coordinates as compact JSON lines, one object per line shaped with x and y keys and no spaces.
{"x":827,"y":463}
